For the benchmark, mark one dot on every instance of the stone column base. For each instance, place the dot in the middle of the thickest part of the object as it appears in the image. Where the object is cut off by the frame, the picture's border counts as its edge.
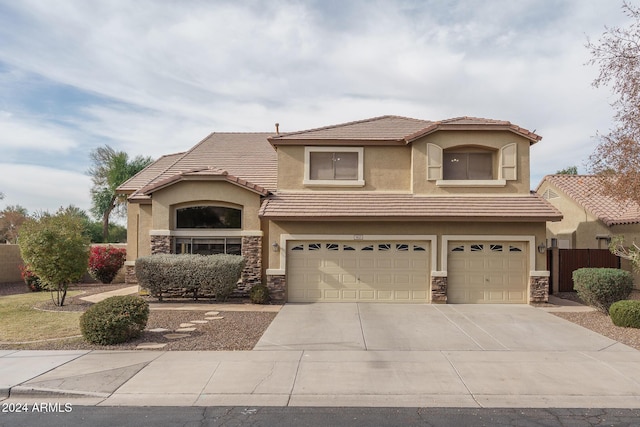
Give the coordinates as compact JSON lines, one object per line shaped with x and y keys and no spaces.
{"x":438,"y":289}
{"x":277,"y":285}
{"x":130,"y":275}
{"x":539,"y":289}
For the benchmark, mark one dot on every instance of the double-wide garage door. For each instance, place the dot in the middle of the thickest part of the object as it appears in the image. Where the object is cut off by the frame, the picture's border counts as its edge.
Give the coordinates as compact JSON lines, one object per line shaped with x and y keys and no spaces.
{"x":487,"y":272}
{"x":390,"y":271}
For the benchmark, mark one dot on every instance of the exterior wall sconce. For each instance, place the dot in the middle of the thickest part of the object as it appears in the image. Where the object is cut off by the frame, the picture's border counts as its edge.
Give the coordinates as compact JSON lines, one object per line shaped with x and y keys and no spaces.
{"x":275,"y":246}
{"x":542,"y":247}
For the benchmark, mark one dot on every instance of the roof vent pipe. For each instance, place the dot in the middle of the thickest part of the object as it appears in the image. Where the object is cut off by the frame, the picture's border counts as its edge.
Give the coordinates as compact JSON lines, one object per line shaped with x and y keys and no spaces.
{"x":278,"y":128}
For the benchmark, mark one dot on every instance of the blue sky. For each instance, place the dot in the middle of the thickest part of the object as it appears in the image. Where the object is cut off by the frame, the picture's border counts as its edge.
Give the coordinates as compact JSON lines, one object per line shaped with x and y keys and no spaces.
{"x":153,"y":77}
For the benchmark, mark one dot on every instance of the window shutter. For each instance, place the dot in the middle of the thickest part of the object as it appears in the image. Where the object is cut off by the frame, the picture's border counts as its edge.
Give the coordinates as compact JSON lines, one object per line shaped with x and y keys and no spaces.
{"x":509,"y":162}
{"x":434,"y":162}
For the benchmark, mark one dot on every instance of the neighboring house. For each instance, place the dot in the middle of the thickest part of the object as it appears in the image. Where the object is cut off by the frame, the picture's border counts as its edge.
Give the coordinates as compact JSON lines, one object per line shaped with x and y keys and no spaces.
{"x":590,"y":218}
{"x":389,"y":209}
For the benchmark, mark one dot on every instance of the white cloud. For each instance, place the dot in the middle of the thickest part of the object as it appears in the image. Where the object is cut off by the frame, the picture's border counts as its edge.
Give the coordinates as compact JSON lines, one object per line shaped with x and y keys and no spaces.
{"x":25,"y":133}
{"x":39,"y":188}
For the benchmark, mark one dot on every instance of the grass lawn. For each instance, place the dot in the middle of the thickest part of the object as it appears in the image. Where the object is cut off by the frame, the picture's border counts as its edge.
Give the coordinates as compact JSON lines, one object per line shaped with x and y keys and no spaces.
{"x":21,"y":322}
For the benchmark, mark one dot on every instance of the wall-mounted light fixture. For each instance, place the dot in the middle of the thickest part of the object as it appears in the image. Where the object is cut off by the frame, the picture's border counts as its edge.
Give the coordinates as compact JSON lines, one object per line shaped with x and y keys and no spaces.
{"x":275,"y":246}
{"x":542,"y":247}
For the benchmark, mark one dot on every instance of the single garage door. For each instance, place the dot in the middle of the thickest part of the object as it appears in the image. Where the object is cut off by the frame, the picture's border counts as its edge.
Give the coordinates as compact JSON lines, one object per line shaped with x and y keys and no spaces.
{"x":487,"y":272}
{"x":385,"y":271}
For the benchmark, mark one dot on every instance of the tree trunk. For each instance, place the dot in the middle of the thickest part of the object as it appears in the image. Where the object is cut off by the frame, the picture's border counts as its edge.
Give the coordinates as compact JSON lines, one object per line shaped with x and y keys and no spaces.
{"x":105,"y":221}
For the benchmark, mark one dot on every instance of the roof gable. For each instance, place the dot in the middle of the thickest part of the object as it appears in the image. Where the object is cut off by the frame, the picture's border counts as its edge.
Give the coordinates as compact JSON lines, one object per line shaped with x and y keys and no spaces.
{"x":585,"y":190}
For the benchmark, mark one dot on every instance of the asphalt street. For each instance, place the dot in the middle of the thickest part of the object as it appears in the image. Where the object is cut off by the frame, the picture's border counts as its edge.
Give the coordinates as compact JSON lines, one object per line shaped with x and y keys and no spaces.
{"x":301,"y":417}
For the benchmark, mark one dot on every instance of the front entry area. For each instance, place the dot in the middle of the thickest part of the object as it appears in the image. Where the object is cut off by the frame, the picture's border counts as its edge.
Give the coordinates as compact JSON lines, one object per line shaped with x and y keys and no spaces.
{"x":491,"y":272}
{"x":366,"y":271}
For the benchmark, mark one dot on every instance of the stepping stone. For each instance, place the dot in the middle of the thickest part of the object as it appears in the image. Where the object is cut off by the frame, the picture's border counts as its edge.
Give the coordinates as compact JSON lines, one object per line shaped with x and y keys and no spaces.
{"x":214,"y":318}
{"x":150,"y":346}
{"x":212,"y":313}
{"x":176,"y":336}
{"x":199,"y":321}
{"x":185,"y":329}
{"x":159,"y":330}
{"x":186,"y":325}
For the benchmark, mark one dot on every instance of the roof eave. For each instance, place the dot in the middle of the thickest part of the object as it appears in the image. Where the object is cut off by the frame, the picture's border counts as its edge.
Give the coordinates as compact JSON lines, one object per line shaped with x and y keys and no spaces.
{"x":532,"y":137}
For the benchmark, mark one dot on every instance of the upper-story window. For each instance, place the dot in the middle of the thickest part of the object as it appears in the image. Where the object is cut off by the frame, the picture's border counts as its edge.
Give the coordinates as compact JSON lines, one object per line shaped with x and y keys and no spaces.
{"x":468,"y":167}
{"x":334,"y":166}
{"x":208,"y":217}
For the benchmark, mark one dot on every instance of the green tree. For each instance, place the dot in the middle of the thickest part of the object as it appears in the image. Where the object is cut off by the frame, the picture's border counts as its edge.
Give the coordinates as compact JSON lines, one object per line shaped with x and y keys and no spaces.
{"x":617,"y":157}
{"x":11,"y":218}
{"x":569,"y":170}
{"x":56,"y":249}
{"x":110,"y":169}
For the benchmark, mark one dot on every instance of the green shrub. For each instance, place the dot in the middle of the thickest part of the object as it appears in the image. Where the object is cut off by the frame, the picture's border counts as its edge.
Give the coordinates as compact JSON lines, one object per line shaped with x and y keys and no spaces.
{"x":625,"y":313}
{"x":114,"y":320}
{"x":601,"y":287}
{"x":259,"y":294}
{"x":197,"y":274}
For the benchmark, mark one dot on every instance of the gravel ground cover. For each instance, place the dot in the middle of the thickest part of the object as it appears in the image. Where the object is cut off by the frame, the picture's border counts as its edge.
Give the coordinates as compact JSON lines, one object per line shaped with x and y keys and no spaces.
{"x":242,"y":330}
{"x":235,"y":331}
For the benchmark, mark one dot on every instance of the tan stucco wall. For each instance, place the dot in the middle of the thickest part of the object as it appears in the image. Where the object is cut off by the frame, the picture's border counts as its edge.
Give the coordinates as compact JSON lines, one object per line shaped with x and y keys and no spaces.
{"x":192,"y":193}
{"x":386,"y":168}
{"x":578,"y":225}
{"x":276,"y":229}
{"x":486,"y":139}
{"x":138,"y":228}
{"x":10,"y":260}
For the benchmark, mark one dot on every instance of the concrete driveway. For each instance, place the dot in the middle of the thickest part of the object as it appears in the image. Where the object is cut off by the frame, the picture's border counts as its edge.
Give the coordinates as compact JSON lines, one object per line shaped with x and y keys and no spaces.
{"x":417,"y":327}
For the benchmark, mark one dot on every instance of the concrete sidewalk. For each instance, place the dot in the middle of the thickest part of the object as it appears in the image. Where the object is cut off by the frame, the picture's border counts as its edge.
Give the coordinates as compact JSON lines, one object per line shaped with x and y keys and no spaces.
{"x":574,"y":379}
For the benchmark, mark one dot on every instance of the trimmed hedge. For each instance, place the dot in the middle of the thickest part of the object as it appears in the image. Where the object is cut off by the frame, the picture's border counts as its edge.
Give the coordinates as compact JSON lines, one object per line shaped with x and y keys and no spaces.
{"x":601,"y":287}
{"x":115,"y":320}
{"x":625,"y":313}
{"x":198,"y":274}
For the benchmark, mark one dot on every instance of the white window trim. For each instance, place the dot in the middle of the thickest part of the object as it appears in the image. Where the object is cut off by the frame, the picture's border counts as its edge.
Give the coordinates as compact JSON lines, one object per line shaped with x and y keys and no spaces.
{"x":331,"y":182}
{"x":284,"y":238}
{"x":471,"y":183}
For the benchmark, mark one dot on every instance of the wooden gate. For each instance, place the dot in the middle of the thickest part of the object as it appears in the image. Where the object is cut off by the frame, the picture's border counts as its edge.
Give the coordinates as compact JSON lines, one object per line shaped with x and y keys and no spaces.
{"x":573,"y":259}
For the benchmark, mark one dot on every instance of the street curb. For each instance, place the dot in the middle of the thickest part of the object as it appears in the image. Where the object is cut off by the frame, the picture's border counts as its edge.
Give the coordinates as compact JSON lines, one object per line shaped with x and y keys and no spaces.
{"x":26,"y":391}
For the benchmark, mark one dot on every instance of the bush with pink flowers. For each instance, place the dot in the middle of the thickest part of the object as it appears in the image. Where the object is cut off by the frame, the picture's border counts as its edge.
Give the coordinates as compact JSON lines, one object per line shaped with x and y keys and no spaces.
{"x":30,"y":278}
{"x":105,"y":262}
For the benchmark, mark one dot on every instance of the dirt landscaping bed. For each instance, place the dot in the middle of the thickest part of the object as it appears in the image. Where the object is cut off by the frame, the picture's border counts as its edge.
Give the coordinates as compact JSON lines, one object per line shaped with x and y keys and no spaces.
{"x":236,"y":330}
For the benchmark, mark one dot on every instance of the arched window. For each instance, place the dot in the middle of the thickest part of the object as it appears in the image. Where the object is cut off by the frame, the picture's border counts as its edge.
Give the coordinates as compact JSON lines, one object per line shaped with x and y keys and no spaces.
{"x":208,"y":217}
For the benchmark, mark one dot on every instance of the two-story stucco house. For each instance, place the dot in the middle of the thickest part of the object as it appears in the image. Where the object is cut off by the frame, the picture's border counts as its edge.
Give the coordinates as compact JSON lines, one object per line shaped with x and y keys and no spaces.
{"x":389,"y":209}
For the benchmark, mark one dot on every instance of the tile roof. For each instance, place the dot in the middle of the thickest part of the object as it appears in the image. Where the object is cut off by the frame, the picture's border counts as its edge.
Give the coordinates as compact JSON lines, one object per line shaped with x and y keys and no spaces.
{"x":358,"y":205}
{"x":475,"y":123}
{"x":149,"y":173}
{"x":207,"y":172}
{"x":247,"y":157}
{"x":397,"y":129}
{"x":586,"y":191}
{"x":383,"y":128}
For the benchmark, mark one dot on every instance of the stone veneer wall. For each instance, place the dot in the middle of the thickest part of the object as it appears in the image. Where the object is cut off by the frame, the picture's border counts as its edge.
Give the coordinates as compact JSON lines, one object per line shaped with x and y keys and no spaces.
{"x":252,"y":252}
{"x":160,"y":244}
{"x":277,"y":285}
{"x":539,"y":289}
{"x":438,"y":290}
{"x":130,"y":275}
